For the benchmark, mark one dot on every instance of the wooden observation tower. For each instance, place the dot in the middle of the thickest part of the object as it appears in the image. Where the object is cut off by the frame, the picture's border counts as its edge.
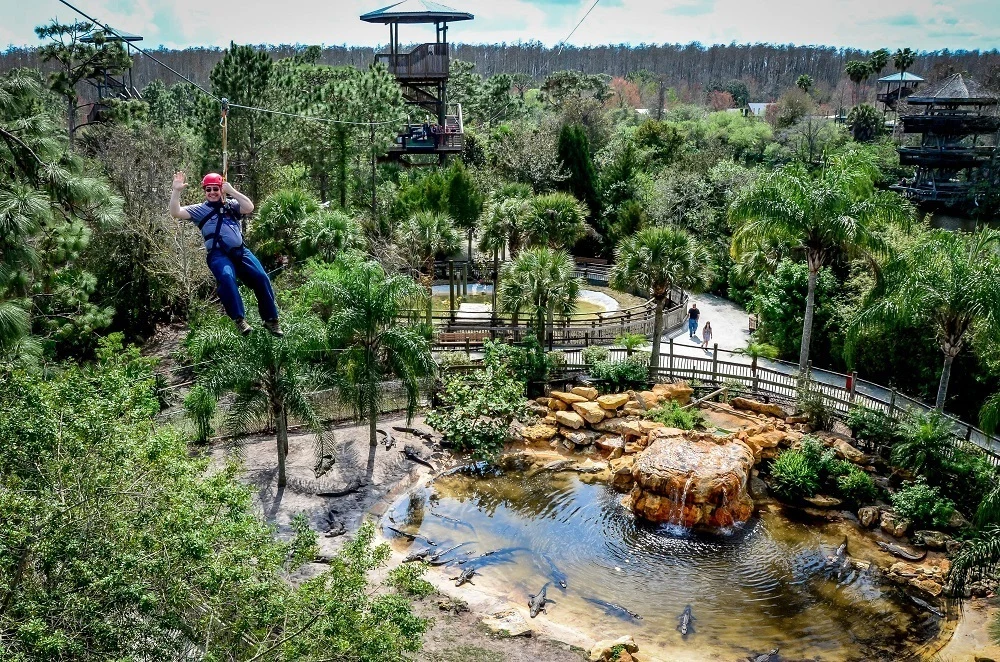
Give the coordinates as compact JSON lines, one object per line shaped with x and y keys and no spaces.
{"x":112,"y":83}
{"x":422,"y":74}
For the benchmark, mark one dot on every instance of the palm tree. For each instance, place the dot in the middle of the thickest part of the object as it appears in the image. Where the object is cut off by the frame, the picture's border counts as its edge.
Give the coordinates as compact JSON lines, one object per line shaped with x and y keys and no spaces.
{"x":557,"y":221}
{"x":758,"y":350}
{"x":278,"y":226}
{"x":542,"y":281}
{"x":903,"y":59}
{"x":837,"y":211}
{"x":374,"y":345}
{"x":421,"y":237}
{"x":804,"y":82}
{"x":858,"y":71}
{"x":328,"y":233}
{"x":501,"y":228}
{"x":878,"y":60}
{"x":654,"y":261}
{"x":948,"y":279}
{"x":989,"y":415}
{"x":269,"y":377}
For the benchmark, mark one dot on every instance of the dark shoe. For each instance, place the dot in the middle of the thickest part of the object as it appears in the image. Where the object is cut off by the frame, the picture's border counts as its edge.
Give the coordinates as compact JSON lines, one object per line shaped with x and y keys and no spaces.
{"x":242,"y":326}
{"x":272,"y":326}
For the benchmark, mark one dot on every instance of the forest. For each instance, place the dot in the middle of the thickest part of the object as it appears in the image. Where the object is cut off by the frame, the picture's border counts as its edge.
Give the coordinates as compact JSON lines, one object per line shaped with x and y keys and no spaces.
{"x":788,"y":214}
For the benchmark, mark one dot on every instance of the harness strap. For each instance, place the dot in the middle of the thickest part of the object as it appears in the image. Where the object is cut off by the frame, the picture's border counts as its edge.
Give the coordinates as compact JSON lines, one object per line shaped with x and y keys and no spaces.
{"x":216,"y":239}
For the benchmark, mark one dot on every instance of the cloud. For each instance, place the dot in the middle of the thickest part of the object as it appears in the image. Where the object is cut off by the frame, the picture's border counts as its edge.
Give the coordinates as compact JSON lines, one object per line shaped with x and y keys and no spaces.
{"x":920,"y":24}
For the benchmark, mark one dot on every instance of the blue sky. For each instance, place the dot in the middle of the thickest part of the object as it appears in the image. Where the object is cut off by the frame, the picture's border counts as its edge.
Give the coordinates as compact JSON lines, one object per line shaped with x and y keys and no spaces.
{"x":919,"y":24}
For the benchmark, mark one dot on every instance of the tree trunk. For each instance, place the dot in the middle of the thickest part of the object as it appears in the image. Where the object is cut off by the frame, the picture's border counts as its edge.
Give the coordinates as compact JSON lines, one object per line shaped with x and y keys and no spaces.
{"x":540,"y":327}
{"x":71,"y":119}
{"x":374,"y":209}
{"x":469,"y":256}
{"x":550,"y":325}
{"x":654,"y":356}
{"x":342,"y":166}
{"x":807,"y":323}
{"x":372,"y":424}
{"x":281,"y":423}
{"x":942,"y":392}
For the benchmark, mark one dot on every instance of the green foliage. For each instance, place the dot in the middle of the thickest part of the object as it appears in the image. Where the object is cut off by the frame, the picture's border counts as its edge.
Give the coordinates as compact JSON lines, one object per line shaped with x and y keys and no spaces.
{"x":115,"y":542}
{"x":595,"y":353}
{"x":810,"y":402}
{"x":857,"y":486}
{"x":278,"y":227}
{"x":409,"y":578}
{"x":556,"y":221}
{"x":541,"y":281}
{"x":673,"y":415}
{"x":923,"y":505}
{"x":969,"y":480}
{"x":326,"y":234}
{"x":865,"y":122}
{"x":477,"y":409}
{"x":631,"y":341}
{"x":465,"y":202}
{"x":621,"y":376}
{"x":662,"y":141}
{"x":779,"y":301}
{"x":804,"y":82}
{"x":574,"y":152}
{"x":794,"y":476}
{"x":873,"y":427}
{"x":526,"y":362}
{"x":923,"y":448}
{"x":200,"y":406}
{"x":446,"y":360}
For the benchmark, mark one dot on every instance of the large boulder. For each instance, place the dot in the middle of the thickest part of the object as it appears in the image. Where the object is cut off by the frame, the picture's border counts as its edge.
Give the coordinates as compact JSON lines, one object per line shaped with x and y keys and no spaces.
{"x":507,"y":623}
{"x":555,"y":404}
{"x":893,"y":524}
{"x":580,"y":437}
{"x":570,"y":419}
{"x":590,"y":411}
{"x":758,"y":407}
{"x":586,"y":392}
{"x":869,"y":515}
{"x":687,"y":479}
{"x":609,"y":442}
{"x":568,"y":398}
{"x":540,"y":432}
{"x":611,"y":425}
{"x":679,"y":392}
{"x":612,"y":401}
{"x":604,"y":651}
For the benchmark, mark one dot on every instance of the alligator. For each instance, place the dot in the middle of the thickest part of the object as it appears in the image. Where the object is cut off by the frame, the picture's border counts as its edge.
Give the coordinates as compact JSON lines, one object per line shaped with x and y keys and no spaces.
{"x":537,"y":602}
{"x":435,"y":559}
{"x":684,"y":622}
{"x":902,"y":552}
{"x":452,"y":520}
{"x":416,"y":556}
{"x":413,"y":457}
{"x":466,"y":576}
{"x":412,"y":536}
{"x":614,"y":608}
{"x":926,"y":606}
{"x":766,"y":657}
{"x":558,"y":576}
{"x":420,"y":434}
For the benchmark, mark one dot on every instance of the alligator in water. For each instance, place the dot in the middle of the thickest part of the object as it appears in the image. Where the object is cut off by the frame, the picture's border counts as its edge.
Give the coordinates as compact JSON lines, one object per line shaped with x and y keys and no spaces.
{"x":685,"y":622}
{"x":558,"y":576}
{"x":466,"y":576}
{"x":902,"y":552}
{"x":926,"y":606}
{"x":537,"y":602}
{"x":614,"y":608}
{"x":412,"y":536}
{"x":413,"y":457}
{"x":766,"y":657}
{"x":452,"y":520}
{"x":435,"y":559}
{"x":499,"y":555}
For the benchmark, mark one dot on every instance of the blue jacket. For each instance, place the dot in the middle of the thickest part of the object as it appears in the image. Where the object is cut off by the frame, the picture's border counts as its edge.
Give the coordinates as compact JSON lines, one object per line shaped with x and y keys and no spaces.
{"x":230,"y":234}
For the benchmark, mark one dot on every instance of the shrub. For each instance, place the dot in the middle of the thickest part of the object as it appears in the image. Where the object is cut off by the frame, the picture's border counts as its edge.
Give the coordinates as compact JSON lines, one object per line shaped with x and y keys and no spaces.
{"x":856,"y":486}
{"x":200,"y":406}
{"x":527,"y":362}
{"x":873,"y":427}
{"x":811,"y":403}
{"x":631,"y":341}
{"x":673,"y":415}
{"x":969,"y":477}
{"x":923,"y":505}
{"x":592,"y":355}
{"x":409,"y":578}
{"x":477,"y":410}
{"x":446,"y":360}
{"x":924,"y":443}
{"x":620,"y":376}
{"x":794,"y":475}
{"x":555,"y":360}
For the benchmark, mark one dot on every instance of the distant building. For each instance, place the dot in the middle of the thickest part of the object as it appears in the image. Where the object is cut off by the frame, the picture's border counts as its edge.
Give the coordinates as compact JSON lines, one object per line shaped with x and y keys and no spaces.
{"x":757,"y":109}
{"x":897,"y":86}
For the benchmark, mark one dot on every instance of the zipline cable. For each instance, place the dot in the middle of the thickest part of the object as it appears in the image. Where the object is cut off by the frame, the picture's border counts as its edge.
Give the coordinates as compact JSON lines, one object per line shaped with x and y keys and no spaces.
{"x":563,"y":42}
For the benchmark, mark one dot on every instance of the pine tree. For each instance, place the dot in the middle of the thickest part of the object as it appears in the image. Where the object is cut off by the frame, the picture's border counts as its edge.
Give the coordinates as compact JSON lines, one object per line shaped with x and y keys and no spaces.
{"x":574,"y":152}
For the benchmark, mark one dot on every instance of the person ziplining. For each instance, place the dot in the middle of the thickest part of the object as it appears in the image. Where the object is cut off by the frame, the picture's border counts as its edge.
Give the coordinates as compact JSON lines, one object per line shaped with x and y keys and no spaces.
{"x":228,"y":258}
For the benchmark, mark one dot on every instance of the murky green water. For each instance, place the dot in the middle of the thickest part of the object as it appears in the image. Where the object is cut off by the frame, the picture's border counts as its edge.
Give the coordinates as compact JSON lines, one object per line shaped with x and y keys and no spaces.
{"x":768,"y":584}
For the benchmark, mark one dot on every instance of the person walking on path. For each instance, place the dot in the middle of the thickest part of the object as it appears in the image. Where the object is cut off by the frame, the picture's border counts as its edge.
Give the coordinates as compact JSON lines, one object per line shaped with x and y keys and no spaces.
{"x":706,"y":335}
{"x":693,"y":314}
{"x":228,"y":258}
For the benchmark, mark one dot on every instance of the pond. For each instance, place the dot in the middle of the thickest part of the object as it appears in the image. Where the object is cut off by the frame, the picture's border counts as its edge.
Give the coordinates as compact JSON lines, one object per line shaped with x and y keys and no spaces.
{"x":479,"y":300}
{"x":770,"y":583}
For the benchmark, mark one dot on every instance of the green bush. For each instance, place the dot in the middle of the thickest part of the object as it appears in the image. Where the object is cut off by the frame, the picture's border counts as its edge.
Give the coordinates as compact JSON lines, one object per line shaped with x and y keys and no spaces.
{"x":923,"y":505}
{"x":592,"y":355}
{"x":631,"y":341}
{"x":623,"y":375}
{"x":811,"y":403}
{"x":446,"y":360}
{"x":200,"y":406}
{"x":874,"y":428}
{"x":856,"y":486}
{"x":969,"y":477}
{"x":922,"y":449}
{"x":794,"y":476}
{"x":527,"y":362}
{"x":409,"y":579}
{"x":673,"y":415}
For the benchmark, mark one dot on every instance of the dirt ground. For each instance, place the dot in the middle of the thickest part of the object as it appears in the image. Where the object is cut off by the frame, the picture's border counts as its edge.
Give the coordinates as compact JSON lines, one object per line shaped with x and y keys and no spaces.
{"x":971,"y":640}
{"x":375,"y":478}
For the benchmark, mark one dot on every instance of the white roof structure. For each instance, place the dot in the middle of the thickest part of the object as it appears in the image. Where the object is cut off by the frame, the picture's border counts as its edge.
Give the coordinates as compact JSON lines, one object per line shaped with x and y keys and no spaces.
{"x":904,"y":77}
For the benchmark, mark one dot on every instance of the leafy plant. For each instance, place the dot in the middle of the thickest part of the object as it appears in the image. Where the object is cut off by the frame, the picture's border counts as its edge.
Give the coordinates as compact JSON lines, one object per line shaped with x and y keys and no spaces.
{"x":922,"y":449}
{"x":446,"y":360}
{"x":409,"y":578}
{"x":856,"y":486}
{"x":811,"y":403}
{"x":673,"y":415}
{"x":200,"y":406}
{"x":622,"y":375}
{"x":794,"y":475}
{"x":631,"y":341}
{"x":592,"y":355}
{"x":923,"y":505}
{"x":873,"y":427}
{"x":477,"y":410}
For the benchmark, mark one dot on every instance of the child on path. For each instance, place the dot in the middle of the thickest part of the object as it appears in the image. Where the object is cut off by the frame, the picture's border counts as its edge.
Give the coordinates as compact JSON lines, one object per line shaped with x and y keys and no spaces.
{"x":706,"y":335}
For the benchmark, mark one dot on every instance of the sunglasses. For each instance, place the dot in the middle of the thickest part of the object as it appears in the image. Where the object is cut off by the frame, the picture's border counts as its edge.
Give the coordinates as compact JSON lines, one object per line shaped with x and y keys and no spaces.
{"x":212,"y":189}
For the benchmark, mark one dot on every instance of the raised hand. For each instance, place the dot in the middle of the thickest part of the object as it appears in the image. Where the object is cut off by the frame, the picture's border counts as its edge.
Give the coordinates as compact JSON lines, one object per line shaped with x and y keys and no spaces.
{"x":228,"y":189}
{"x":179,"y":182}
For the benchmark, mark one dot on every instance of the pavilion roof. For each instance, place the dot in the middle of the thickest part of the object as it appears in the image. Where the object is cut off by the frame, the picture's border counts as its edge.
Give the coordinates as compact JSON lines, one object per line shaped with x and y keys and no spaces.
{"x":904,"y":76}
{"x":957,"y":88}
{"x":416,"y":11}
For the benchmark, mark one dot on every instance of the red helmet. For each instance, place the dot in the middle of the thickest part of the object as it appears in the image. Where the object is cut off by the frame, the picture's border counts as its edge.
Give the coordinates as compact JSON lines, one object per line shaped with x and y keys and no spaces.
{"x":211,"y":179}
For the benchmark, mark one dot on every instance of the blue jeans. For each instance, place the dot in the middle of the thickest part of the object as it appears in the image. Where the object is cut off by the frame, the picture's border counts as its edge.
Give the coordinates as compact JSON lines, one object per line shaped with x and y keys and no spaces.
{"x":250,"y":273}
{"x":692,"y":327}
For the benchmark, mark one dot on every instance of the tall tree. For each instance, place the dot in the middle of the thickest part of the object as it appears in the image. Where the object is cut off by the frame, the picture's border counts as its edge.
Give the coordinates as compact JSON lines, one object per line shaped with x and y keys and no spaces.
{"x":574,"y":152}
{"x":903,"y":59}
{"x":269,"y":377}
{"x":243,"y":76}
{"x":465,"y":202}
{"x":542,"y":281}
{"x":858,"y":71}
{"x":375,"y":346}
{"x":804,"y":82}
{"x":556,"y":221}
{"x":839,"y":210}
{"x":950,"y":280}
{"x":78,"y":60}
{"x":421,"y":237}
{"x":654,"y":261}
{"x":878,"y":60}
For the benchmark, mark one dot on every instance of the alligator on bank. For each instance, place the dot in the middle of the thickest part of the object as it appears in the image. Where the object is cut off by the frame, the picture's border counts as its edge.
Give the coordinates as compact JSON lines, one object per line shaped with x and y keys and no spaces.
{"x":412,"y":536}
{"x":465,"y":577}
{"x":766,"y":657}
{"x":614,"y":609}
{"x":413,"y":457}
{"x":537,"y":602}
{"x":902,"y":552}
{"x":685,"y":622}
{"x":416,"y":556}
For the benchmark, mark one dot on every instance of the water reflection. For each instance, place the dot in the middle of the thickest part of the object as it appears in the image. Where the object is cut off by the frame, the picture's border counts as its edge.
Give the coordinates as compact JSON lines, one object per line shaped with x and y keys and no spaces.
{"x":769,"y":583}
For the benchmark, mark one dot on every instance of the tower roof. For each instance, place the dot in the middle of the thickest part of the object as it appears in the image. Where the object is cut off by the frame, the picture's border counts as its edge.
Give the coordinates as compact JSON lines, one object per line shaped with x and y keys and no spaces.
{"x":114,"y":36}
{"x":905,"y":77}
{"x":956,"y":88}
{"x":416,"y":11}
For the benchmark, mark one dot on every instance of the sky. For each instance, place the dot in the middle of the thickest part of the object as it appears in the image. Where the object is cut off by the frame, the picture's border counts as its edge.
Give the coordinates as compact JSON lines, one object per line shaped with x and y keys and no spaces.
{"x":866,"y":24}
